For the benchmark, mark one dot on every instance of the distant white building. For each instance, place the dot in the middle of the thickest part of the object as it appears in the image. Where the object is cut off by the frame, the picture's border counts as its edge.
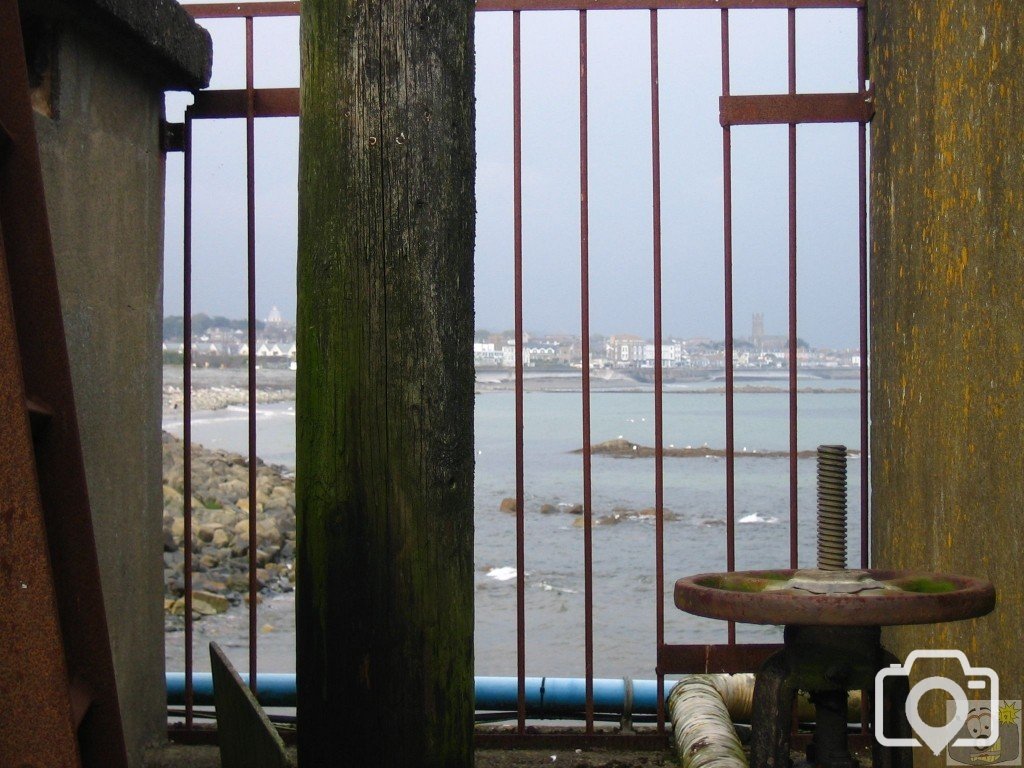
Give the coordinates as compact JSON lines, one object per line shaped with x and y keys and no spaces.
{"x":541,"y":353}
{"x":274,"y":318}
{"x":625,"y":349}
{"x":670,"y":355}
{"x":484,"y":353}
{"x":508,"y":356}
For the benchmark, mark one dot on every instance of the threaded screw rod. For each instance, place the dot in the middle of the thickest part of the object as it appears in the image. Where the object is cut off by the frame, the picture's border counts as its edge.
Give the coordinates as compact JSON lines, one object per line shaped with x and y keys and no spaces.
{"x":832,"y":507}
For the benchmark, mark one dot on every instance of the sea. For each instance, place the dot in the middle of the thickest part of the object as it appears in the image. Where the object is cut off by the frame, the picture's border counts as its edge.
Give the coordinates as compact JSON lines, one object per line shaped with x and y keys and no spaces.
{"x":624,"y":564}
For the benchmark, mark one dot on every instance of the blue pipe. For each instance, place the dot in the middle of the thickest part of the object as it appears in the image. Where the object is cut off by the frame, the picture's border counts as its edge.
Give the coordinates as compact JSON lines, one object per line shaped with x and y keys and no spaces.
{"x":545,"y":696}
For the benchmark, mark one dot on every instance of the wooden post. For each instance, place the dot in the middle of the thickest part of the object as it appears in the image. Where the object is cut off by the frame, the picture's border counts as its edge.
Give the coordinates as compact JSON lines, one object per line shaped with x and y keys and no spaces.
{"x":385,"y":384}
{"x":246,"y":737}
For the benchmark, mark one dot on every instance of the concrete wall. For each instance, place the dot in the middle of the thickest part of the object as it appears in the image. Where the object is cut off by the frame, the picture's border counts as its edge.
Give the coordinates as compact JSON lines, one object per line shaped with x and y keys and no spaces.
{"x":103,"y":175}
{"x":99,"y":69}
{"x":947,"y":311}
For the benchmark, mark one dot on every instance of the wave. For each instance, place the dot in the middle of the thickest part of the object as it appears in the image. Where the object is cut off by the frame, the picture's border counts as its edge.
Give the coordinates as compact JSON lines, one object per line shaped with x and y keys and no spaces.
{"x":503,"y":573}
{"x":753,"y":517}
{"x":624,"y":449}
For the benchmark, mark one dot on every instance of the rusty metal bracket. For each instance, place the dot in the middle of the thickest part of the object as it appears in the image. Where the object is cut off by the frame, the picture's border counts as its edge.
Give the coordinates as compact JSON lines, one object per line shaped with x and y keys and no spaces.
{"x":172,"y":137}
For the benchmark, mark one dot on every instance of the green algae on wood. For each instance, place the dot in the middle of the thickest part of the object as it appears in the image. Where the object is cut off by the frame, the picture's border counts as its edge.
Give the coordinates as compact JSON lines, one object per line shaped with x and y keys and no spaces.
{"x":384,"y":444}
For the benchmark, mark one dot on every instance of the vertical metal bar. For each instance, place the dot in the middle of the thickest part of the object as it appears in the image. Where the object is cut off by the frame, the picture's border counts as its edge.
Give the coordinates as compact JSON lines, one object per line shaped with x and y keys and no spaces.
{"x":793,"y":448}
{"x":517,"y":208}
{"x":186,"y":427}
{"x":588,"y":564}
{"x":862,"y":211}
{"x":659,"y":432}
{"x":250,"y":212}
{"x":730,"y":443}
{"x":862,"y":258}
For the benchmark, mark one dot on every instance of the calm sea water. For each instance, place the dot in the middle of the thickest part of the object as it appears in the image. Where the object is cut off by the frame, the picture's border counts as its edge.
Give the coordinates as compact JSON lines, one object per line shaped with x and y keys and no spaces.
{"x":624,"y":553}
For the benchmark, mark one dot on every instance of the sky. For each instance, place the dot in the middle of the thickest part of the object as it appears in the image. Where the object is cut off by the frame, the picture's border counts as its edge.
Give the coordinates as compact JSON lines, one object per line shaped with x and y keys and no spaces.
{"x":620,"y":188}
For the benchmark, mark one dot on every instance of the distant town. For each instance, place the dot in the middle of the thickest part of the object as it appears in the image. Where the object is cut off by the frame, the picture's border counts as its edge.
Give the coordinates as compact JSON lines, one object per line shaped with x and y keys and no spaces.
{"x":222,"y":342}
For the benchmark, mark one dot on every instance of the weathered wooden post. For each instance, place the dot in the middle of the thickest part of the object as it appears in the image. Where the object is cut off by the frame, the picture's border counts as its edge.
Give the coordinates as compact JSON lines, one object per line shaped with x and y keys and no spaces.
{"x":385,"y":384}
{"x":947,"y":340}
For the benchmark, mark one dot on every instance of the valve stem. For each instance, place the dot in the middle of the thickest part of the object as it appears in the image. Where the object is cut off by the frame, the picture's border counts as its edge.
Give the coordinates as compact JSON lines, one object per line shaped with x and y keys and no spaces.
{"x":832,"y":507}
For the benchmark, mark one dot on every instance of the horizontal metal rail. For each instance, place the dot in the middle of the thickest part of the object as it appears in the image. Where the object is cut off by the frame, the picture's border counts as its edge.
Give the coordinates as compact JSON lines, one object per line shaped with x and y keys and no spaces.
{"x":279,"y":9}
{"x":267,"y":102}
{"x":793,"y":109}
{"x":662,"y":5}
{"x":768,"y":109}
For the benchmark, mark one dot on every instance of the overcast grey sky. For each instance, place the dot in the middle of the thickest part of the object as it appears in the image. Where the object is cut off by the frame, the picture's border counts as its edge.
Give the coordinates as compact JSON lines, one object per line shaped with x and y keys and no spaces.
{"x":619,"y":169}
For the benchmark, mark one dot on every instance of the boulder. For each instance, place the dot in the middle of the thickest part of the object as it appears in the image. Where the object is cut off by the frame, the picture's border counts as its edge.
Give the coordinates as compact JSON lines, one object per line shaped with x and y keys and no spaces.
{"x":202,"y":600}
{"x":221,"y":538}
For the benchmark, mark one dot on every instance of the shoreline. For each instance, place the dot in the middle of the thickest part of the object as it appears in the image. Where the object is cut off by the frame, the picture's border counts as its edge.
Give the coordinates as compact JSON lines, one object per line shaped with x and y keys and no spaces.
{"x":216,"y":389}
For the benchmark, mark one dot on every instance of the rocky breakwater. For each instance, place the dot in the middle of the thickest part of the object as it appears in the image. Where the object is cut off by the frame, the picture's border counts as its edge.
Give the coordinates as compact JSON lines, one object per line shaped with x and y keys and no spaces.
{"x":220,"y":530}
{"x":617,"y":514}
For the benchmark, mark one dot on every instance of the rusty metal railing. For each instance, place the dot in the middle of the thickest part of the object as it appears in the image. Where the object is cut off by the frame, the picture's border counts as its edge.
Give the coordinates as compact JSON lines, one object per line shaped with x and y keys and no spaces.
{"x":790,"y":109}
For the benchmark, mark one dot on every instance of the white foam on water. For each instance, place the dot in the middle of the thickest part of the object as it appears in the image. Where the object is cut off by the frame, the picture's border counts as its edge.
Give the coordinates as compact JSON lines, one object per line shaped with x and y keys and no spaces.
{"x":504,"y":573}
{"x":753,"y":517}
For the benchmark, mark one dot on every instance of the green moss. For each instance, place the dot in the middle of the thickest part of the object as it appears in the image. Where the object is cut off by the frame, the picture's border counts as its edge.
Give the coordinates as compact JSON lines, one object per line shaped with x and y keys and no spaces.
{"x":926,"y":585}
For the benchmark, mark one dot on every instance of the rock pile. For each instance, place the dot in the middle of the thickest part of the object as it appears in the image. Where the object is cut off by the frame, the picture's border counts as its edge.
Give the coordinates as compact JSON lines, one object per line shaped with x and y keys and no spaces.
{"x":618,"y":514}
{"x":215,"y":398}
{"x":220,"y":529}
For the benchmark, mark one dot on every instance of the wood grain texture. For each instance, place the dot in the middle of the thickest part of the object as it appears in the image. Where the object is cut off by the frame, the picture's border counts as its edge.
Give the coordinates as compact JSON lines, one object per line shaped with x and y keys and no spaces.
{"x":947,"y":303}
{"x":385,"y":384}
{"x":245,"y":735}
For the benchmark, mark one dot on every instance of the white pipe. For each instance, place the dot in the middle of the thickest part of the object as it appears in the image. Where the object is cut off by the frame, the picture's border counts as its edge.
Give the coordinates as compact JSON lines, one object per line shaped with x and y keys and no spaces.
{"x":701,"y":726}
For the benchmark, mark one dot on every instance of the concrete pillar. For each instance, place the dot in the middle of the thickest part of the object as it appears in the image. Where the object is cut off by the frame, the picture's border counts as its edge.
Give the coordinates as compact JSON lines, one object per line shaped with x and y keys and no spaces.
{"x":98,"y":76}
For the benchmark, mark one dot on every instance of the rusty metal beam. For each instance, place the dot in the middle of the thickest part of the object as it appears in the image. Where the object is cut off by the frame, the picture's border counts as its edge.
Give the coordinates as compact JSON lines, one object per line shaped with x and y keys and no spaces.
{"x":52,"y":578}
{"x":33,"y":674}
{"x":268,"y":102}
{"x":783,"y":109}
